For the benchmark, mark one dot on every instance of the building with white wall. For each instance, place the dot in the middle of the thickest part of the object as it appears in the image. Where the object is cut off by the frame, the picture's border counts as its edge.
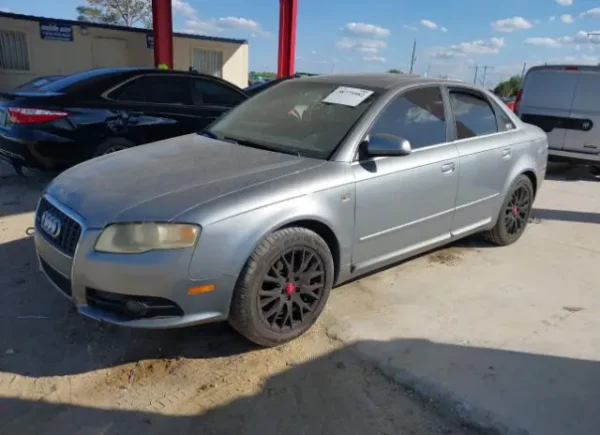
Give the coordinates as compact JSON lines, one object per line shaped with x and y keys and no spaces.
{"x":36,"y":46}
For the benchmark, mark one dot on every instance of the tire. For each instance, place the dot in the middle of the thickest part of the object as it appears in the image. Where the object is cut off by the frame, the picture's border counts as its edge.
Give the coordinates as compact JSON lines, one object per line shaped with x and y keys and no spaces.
{"x":111,"y":145}
{"x":290,"y":273}
{"x":505,"y":232}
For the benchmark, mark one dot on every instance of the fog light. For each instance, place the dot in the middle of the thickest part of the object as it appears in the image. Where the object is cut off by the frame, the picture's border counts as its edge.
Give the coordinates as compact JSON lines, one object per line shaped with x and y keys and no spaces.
{"x":135,"y":308}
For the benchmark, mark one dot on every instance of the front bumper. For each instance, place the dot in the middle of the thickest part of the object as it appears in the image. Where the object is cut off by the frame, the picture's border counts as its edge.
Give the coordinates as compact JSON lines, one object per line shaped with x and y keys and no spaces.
{"x":156,"y":274}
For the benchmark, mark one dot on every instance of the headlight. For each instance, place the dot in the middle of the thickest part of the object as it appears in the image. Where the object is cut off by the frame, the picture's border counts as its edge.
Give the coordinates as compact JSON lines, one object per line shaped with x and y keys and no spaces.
{"x":143,"y":237}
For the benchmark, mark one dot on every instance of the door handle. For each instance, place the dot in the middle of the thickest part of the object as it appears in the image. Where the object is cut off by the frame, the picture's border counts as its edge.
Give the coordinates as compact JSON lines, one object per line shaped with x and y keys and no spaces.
{"x":448,"y":168}
{"x":506,"y":154}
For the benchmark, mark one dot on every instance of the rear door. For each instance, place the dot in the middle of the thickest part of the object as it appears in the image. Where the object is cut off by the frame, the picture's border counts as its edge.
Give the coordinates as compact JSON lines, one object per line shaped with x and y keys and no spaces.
{"x":155,"y":107}
{"x":584,"y":133}
{"x":212,"y":98}
{"x":547,"y":97}
{"x":484,"y":136}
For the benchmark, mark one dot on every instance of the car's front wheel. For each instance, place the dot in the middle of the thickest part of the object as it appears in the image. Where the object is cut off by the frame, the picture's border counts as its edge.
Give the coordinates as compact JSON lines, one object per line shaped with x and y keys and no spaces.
{"x":283,"y":287}
{"x":514,"y":214}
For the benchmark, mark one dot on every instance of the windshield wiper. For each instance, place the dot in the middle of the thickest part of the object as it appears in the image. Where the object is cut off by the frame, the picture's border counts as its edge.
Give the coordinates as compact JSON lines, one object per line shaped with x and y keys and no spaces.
{"x":261,"y":146}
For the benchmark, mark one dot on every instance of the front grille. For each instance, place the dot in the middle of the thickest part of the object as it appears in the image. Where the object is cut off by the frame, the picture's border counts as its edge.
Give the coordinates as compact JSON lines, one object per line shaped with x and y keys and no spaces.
{"x":70,"y":230}
{"x":59,"y":280}
{"x":126,"y":307}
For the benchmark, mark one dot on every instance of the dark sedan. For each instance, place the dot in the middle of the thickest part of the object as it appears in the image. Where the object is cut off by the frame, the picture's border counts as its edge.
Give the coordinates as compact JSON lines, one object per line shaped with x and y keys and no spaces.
{"x":88,"y":114}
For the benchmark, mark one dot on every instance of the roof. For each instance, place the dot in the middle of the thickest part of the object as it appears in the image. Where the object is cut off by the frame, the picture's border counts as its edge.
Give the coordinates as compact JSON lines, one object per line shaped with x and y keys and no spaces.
{"x":374,"y":80}
{"x":123,"y":28}
{"x":567,"y":65}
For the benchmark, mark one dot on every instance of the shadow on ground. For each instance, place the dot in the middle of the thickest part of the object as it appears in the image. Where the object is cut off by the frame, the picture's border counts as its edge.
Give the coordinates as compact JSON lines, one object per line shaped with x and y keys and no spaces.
{"x":314,"y":398}
{"x":566,"y":215}
{"x":19,"y":194}
{"x":569,"y":172}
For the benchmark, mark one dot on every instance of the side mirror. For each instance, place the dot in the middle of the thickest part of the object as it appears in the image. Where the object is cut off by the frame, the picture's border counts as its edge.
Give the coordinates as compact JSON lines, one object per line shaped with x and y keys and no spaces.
{"x":382,"y":144}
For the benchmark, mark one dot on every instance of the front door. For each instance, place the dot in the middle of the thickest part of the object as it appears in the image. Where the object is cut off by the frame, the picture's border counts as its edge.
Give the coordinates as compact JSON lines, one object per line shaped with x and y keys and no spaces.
{"x":406,"y":203}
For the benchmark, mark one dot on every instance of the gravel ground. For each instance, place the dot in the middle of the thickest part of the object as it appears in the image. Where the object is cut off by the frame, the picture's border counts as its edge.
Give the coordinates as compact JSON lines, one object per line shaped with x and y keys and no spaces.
{"x":62,"y":373}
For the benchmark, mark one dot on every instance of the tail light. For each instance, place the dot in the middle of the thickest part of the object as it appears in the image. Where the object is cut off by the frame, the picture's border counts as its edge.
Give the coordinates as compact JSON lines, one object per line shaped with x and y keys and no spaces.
{"x":518,"y":101}
{"x":28,"y":115}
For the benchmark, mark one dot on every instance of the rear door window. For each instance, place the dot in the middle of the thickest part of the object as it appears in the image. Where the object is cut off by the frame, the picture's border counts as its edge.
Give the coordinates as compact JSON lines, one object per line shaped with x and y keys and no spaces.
{"x":588,"y":92}
{"x":548,"y":89}
{"x":206,"y":91}
{"x":156,"y":89}
{"x":473,"y":114}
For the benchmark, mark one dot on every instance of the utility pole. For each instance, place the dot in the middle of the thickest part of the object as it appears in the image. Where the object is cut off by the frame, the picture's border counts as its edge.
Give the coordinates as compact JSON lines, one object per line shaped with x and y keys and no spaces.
{"x":485,"y":68}
{"x":428,"y":70}
{"x":413,"y":58}
{"x":523,"y":73}
{"x":476,"y":68}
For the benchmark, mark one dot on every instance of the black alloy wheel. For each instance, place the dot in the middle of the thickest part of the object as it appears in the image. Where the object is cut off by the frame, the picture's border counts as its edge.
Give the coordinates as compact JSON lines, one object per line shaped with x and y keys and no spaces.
{"x":291,"y":289}
{"x":514,"y":213}
{"x":283,"y":287}
{"x":517,"y":211}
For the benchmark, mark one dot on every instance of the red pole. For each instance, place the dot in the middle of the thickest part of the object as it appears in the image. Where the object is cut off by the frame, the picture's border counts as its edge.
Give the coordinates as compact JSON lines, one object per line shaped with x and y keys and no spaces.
{"x":162,"y":24}
{"x":288,"y":10}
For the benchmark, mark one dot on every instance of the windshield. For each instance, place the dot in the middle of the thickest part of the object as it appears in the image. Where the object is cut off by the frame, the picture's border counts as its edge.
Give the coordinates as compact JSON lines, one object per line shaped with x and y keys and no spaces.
{"x":293,"y":117}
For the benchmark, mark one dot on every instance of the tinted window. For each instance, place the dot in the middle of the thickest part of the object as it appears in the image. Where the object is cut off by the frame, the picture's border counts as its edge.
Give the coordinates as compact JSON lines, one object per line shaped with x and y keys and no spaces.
{"x":209,"y":92}
{"x":504,"y":121}
{"x":417,"y":116}
{"x":473,"y":115}
{"x":157,"y":89}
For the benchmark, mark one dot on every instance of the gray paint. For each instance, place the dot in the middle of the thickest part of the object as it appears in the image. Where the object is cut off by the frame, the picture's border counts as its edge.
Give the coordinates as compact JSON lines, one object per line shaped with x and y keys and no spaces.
{"x":380,"y":210}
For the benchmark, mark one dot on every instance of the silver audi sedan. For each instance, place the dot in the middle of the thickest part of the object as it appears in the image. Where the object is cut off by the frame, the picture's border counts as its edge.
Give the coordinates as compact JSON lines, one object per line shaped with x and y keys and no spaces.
{"x":304,"y":186}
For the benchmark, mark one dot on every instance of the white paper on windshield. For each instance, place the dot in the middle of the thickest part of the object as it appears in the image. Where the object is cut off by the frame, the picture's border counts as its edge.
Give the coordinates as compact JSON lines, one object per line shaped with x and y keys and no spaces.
{"x":347,"y":96}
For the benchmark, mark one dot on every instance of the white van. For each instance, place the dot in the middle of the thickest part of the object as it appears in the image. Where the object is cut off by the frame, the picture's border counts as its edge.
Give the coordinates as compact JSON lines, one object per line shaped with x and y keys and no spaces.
{"x":564,"y":101}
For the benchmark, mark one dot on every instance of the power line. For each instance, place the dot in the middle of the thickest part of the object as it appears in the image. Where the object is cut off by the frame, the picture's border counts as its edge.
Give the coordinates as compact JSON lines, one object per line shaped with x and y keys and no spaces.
{"x":485,"y":69}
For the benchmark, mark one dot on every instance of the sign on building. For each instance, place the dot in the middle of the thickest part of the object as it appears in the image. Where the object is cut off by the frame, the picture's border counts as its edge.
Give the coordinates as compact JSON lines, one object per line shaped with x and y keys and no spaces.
{"x":150,"y":41}
{"x":54,"y":31}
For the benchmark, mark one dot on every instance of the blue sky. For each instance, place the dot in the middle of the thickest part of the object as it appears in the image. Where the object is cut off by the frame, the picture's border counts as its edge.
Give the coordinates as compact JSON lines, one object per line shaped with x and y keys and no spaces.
{"x":350,"y":35}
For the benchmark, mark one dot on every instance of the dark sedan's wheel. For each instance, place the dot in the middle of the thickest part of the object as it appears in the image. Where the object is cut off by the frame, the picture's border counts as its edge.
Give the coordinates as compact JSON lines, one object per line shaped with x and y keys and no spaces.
{"x":112,"y":145}
{"x":514,"y":214}
{"x":283,"y":287}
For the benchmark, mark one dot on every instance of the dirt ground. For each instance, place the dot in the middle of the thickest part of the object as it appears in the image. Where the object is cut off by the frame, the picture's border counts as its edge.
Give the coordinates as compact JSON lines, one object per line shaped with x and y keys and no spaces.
{"x":62,"y":373}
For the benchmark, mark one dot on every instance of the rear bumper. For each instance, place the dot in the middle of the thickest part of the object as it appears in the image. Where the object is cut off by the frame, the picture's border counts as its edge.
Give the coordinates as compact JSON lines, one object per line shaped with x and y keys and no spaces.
{"x":24,"y":149}
{"x":573,"y":157}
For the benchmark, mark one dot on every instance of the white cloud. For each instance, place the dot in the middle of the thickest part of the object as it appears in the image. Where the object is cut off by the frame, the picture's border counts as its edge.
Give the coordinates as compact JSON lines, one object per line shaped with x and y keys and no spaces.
{"x":580,"y":37}
{"x":552,"y":18}
{"x":564,"y":2}
{"x":379,"y":59}
{"x":443,"y":29}
{"x":594,"y":13}
{"x":372,"y":46}
{"x":184,"y":8}
{"x":537,"y":21}
{"x":196,"y":25}
{"x":407,"y":27}
{"x":299,"y":58}
{"x":313,"y":52}
{"x":543,"y":42}
{"x":490,"y":46}
{"x":509,"y":25}
{"x":370,"y":30}
{"x":429,"y":24}
{"x":581,"y":59}
{"x":567,"y":19}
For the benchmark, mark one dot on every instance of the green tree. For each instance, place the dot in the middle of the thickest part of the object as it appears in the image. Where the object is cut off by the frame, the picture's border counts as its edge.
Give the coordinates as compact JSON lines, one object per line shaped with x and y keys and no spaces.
{"x":118,"y":12}
{"x":395,"y":71}
{"x":508,"y":88}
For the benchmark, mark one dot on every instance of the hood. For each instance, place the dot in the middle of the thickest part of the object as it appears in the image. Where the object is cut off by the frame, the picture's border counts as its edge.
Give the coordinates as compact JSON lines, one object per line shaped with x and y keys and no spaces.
{"x":161,"y":180}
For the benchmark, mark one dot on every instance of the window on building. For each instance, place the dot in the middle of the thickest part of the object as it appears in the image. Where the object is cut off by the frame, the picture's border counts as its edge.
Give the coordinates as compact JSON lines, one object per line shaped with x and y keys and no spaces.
{"x":473,"y":115}
{"x":208,"y":62}
{"x":13,"y":50}
{"x":417,"y":116}
{"x":158,"y":89}
{"x":207,"y":91}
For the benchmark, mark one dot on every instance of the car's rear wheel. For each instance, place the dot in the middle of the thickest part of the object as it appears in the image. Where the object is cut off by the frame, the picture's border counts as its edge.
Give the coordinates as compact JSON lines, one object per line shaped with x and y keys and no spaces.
{"x":112,"y":145}
{"x":514,"y":214}
{"x":283,"y":287}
